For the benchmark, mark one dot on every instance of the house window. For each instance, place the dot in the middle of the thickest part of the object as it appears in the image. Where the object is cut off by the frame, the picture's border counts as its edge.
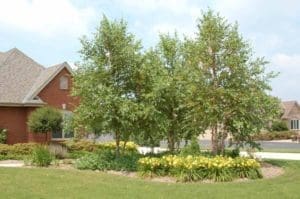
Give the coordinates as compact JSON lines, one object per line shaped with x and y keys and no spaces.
{"x":63,"y":83}
{"x":63,"y":134}
{"x":295,"y":124}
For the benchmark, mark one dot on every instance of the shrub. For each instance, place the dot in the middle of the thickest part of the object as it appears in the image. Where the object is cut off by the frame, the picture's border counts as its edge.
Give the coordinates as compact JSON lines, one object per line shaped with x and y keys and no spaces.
{"x":192,"y":149}
{"x":279,"y":126}
{"x":81,"y":145}
{"x":41,"y":156}
{"x":275,"y":135}
{"x":233,"y":153}
{"x":45,"y":119}
{"x":86,"y":145}
{"x":194,"y":168}
{"x":16,"y":151}
{"x":58,"y":151}
{"x":107,"y":160}
{"x":3,"y":136}
{"x":88,"y":161}
{"x":129,"y":146}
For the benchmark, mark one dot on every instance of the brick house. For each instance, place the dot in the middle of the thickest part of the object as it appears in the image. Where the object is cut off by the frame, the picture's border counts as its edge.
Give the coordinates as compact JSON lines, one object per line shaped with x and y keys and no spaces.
{"x":26,"y":85}
{"x":291,"y":114}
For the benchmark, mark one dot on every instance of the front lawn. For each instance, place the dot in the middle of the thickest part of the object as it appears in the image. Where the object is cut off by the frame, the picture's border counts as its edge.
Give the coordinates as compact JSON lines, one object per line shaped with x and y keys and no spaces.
{"x":54,"y":183}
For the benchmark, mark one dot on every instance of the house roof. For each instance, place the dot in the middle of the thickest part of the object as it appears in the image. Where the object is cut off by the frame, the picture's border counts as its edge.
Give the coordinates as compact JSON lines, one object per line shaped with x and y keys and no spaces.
{"x":21,"y":78}
{"x":288,"y":106}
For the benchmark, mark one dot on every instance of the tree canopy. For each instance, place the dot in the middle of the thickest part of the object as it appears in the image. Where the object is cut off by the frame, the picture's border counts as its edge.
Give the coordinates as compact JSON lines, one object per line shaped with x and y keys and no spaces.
{"x":45,"y":119}
{"x":176,"y":90}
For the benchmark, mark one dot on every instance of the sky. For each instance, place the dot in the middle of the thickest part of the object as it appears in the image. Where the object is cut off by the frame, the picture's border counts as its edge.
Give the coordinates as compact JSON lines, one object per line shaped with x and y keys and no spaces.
{"x":49,"y":30}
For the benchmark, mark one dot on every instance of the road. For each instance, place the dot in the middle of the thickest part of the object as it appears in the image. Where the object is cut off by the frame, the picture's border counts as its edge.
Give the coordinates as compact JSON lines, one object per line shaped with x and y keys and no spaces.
{"x":206,"y":144}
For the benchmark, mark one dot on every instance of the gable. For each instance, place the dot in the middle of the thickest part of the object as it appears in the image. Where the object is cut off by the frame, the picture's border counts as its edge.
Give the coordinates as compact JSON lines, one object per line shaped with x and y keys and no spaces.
{"x":45,"y":78}
{"x":58,"y":97}
{"x":291,"y":110}
{"x":21,"y":78}
{"x":294,"y":112}
{"x":17,"y":75}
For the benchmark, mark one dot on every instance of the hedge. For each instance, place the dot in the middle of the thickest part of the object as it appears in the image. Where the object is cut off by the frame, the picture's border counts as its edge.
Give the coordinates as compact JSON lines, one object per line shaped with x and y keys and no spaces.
{"x":16,"y":151}
{"x":89,"y":146}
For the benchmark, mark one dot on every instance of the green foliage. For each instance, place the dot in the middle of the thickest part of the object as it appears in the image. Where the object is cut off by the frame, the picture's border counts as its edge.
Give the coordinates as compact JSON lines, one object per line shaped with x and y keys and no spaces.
{"x":107,"y":160}
{"x":3,"y":136}
{"x":80,"y":145}
{"x":89,"y":146}
{"x":41,"y":156}
{"x":279,"y":126}
{"x":234,"y":153}
{"x":195,"y":168}
{"x":170,"y":90}
{"x":16,"y":151}
{"x":88,"y":161}
{"x":192,"y":149}
{"x":232,"y":94}
{"x":44,"y":120}
{"x":176,"y":90}
{"x":106,"y":81}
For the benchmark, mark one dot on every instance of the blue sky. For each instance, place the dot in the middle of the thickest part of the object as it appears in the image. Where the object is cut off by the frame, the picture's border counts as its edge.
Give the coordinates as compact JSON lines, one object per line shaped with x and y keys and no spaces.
{"x":49,"y":30}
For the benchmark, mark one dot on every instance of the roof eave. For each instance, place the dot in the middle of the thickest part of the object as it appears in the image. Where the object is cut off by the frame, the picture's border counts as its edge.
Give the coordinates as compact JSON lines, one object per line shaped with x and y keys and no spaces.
{"x":12,"y":104}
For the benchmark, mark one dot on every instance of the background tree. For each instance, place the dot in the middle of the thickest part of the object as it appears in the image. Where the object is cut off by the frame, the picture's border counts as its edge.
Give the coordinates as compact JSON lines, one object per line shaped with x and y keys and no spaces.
{"x":44,"y":120}
{"x":170,"y":89}
{"x":106,"y":81}
{"x":151,"y":122}
{"x":234,"y":93}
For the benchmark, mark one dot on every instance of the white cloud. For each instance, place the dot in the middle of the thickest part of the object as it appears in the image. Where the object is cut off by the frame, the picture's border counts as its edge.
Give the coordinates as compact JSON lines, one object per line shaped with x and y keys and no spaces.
{"x":290,"y":62}
{"x":285,"y":85}
{"x":164,"y":28}
{"x":174,"y":6}
{"x":45,"y":17}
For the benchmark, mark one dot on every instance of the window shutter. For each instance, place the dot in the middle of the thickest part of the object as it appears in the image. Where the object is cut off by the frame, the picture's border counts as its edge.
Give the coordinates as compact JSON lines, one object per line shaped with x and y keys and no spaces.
{"x":63,"y":84}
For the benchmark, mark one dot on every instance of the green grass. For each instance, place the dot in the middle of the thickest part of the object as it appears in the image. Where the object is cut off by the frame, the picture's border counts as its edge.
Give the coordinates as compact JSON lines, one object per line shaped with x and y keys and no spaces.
{"x":51,"y":183}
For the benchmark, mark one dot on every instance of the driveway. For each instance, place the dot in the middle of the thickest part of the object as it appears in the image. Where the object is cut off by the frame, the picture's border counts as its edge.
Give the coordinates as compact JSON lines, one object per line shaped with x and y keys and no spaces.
{"x":277,"y":156}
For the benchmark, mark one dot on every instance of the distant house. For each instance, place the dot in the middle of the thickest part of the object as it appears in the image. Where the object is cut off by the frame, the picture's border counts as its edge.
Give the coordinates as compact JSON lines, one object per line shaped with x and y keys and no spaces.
{"x":291,"y":114}
{"x":26,"y":85}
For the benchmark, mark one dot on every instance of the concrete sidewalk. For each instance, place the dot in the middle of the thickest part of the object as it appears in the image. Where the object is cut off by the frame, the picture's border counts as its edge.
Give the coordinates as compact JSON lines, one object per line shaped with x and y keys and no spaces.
{"x":11,"y":163}
{"x":277,"y":156}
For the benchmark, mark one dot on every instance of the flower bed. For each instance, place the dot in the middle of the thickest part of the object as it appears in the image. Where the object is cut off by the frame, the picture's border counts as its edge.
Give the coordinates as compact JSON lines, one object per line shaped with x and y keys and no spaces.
{"x":195,"y":168}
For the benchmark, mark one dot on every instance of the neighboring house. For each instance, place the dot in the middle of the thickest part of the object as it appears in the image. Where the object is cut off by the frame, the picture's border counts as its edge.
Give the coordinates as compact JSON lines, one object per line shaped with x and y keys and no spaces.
{"x":291,"y":114}
{"x":26,"y":85}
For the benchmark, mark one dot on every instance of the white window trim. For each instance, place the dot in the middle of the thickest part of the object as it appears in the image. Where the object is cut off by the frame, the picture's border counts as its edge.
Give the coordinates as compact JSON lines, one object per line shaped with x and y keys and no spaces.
{"x":64,"y":82}
{"x":64,"y":113}
{"x":295,"y":123}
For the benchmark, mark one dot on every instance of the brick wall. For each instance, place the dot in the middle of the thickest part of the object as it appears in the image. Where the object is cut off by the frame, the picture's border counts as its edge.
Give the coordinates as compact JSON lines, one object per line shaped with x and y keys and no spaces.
{"x":54,"y":96}
{"x":14,"y":119}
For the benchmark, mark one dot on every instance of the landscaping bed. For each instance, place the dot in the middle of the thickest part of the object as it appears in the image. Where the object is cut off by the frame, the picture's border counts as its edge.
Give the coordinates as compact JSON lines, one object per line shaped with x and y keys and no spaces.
{"x":275,"y":135}
{"x":165,"y":167}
